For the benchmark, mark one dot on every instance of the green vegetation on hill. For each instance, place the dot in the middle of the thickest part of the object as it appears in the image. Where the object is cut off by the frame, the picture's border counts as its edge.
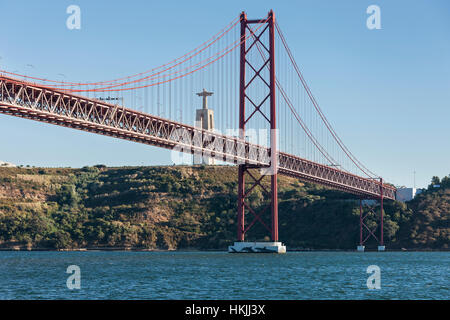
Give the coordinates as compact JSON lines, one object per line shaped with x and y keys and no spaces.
{"x":195,"y":207}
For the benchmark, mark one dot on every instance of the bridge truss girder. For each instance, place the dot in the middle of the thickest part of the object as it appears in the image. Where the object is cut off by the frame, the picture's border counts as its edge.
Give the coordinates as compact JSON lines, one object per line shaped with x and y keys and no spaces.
{"x":27,"y":100}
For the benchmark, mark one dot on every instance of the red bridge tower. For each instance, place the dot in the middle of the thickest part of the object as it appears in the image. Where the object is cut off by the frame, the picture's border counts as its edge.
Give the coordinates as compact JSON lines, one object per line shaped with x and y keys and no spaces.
{"x":249,"y":42}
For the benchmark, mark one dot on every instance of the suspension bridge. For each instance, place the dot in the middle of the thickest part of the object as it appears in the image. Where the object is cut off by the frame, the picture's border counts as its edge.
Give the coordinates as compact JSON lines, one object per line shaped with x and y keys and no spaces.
{"x":266,"y":119}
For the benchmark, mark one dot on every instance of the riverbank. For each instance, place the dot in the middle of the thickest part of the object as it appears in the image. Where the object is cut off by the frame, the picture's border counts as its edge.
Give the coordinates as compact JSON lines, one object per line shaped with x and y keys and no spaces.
{"x":125,"y":249}
{"x":182,"y":207}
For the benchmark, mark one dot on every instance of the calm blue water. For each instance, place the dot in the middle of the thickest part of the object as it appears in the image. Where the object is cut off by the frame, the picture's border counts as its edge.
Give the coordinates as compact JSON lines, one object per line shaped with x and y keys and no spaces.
{"x":219,"y":275}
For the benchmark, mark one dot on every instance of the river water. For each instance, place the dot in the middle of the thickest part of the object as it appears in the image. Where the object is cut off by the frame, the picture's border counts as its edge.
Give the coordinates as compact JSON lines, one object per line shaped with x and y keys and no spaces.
{"x":220,"y":275}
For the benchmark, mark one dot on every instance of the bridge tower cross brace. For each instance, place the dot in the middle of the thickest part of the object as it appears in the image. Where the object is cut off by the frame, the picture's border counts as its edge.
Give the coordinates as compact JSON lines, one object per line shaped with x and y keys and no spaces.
{"x":250,"y":41}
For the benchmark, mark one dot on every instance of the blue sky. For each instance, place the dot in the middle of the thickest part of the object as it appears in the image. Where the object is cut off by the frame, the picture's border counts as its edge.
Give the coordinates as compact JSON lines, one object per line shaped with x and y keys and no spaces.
{"x":386,"y":92}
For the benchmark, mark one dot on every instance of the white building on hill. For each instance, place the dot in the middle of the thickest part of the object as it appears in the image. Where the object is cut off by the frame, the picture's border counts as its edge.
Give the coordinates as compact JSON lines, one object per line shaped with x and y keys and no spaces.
{"x":6,"y":164}
{"x":407,"y":194}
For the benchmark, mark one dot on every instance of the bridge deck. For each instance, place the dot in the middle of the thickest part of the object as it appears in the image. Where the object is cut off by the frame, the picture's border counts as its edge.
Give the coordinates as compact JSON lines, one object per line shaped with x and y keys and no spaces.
{"x":27,"y":100}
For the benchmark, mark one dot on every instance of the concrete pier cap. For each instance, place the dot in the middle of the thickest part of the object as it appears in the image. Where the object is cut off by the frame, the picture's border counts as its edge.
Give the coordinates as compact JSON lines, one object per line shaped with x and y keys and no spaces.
{"x":362,"y":248}
{"x":257,"y":247}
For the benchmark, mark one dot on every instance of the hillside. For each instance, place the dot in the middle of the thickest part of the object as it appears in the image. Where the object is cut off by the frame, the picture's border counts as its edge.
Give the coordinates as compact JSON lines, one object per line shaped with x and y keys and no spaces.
{"x":193,"y":207}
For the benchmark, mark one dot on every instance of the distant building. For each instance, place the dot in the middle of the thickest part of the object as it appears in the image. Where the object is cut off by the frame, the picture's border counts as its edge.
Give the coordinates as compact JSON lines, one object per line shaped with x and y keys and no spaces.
{"x":205,"y":120}
{"x":7,"y":164}
{"x":407,"y":194}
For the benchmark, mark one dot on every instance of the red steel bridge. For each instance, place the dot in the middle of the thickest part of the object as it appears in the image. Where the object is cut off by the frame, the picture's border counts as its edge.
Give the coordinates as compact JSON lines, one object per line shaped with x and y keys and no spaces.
{"x":266,"y":117}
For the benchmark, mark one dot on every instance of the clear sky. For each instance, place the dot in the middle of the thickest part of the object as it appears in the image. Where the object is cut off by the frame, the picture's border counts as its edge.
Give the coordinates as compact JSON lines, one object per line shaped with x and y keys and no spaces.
{"x":386,"y":92}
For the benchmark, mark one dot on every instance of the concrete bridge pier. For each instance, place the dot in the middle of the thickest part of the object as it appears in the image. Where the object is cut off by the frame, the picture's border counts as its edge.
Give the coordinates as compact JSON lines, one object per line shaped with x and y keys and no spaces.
{"x":257,"y":247}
